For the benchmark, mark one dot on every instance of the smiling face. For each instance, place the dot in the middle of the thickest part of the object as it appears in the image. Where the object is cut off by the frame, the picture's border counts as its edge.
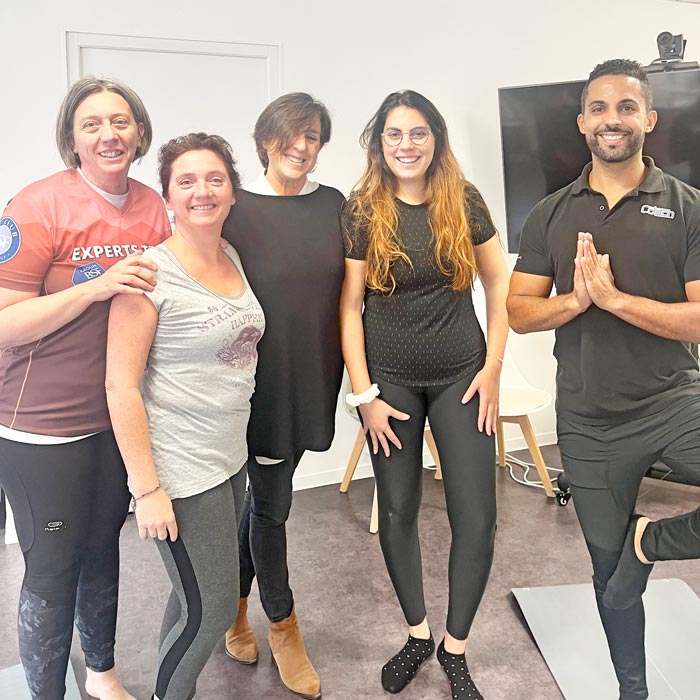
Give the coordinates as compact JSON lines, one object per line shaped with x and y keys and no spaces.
{"x":615,"y":119}
{"x":290,"y":163}
{"x":407,"y":161}
{"x":200,"y":193}
{"x":105,"y":139}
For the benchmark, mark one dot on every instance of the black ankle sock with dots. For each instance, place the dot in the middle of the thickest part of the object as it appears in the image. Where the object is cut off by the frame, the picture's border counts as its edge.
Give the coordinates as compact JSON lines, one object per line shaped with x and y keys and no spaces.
{"x":399,"y":671}
{"x":455,"y":666}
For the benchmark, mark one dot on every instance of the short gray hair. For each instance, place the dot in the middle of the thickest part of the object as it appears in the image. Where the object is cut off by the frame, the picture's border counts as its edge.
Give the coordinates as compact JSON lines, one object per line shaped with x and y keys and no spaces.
{"x":83,"y":88}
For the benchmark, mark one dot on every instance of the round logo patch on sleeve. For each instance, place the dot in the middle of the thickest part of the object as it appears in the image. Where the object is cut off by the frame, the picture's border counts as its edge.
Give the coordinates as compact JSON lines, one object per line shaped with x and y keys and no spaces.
{"x":10,"y":239}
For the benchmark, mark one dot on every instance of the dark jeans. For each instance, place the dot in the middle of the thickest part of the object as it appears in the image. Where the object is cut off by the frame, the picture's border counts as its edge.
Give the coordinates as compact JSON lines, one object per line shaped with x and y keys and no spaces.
{"x":70,"y":502}
{"x":467,"y":459}
{"x":262,"y":535}
{"x":605,"y":465}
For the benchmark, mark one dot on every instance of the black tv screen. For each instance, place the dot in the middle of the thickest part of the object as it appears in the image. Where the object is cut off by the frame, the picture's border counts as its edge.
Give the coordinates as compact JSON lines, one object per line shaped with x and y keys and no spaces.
{"x":543,"y":149}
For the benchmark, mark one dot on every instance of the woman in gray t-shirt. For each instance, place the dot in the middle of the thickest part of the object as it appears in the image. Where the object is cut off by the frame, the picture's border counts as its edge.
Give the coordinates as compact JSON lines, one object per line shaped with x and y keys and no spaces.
{"x":180,"y":373}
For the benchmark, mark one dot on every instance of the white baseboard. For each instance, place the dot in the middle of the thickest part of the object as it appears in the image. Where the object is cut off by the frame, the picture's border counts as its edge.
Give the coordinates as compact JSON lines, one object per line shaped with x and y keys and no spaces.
{"x":335,"y":475}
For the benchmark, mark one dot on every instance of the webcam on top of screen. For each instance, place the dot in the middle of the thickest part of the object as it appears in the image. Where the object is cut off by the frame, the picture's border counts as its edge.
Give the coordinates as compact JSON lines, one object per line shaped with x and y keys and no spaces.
{"x":671,"y":51}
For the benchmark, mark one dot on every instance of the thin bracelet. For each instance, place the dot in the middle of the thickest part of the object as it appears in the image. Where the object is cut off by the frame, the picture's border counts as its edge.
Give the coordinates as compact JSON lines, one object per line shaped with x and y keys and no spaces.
{"x":495,"y":357}
{"x":148,"y":493}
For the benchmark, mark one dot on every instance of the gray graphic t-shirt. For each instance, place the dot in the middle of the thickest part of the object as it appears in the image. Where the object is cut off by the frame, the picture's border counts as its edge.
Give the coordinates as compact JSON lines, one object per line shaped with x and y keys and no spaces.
{"x":199,"y":377}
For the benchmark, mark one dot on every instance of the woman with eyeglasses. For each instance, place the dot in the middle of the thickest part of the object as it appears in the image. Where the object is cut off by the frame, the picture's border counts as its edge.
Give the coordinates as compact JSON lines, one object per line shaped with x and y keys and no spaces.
{"x":417,"y":235}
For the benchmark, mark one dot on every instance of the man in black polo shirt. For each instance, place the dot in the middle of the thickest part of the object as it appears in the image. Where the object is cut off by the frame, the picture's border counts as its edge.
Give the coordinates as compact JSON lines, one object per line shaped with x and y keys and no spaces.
{"x":622,"y":246}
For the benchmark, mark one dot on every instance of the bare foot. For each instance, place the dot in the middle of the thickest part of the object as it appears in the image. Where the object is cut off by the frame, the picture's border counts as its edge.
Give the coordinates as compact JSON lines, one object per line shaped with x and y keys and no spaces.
{"x":639,"y":531}
{"x":106,"y":686}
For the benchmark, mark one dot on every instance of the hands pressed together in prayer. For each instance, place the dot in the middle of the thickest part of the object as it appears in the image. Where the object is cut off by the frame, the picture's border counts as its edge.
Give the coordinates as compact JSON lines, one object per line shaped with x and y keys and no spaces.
{"x":593,"y":279}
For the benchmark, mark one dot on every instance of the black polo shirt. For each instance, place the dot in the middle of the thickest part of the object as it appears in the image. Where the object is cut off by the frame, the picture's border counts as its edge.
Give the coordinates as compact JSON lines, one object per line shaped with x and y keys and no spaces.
{"x":610,"y":371}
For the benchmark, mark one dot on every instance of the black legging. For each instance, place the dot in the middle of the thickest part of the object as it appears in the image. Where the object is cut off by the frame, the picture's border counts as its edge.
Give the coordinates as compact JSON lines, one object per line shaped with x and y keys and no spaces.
{"x":467,"y":459}
{"x":69,"y":502}
{"x":605,"y":465}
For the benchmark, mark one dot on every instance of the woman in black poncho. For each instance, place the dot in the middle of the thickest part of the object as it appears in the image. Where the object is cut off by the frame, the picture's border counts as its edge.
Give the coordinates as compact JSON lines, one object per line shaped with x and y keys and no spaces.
{"x":287,"y":232}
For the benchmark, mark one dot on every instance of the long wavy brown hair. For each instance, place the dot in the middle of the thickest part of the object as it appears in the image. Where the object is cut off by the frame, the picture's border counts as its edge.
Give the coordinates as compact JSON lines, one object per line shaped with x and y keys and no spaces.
{"x":372,"y":204}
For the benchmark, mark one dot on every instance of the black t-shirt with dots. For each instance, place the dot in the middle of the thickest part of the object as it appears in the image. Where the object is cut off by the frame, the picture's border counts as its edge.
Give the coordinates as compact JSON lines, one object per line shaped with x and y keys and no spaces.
{"x":424,"y":333}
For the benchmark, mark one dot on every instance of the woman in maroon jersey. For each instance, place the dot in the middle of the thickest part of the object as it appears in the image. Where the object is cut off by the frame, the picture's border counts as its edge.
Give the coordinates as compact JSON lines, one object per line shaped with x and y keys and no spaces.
{"x":68,"y":244}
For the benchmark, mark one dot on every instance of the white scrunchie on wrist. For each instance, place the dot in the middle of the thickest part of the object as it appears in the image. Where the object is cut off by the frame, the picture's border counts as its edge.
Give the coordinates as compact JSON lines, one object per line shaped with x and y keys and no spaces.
{"x":366,"y":396}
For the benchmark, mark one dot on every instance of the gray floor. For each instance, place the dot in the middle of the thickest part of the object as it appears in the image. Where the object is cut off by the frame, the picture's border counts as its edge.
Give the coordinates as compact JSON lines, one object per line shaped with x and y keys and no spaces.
{"x":346,"y":605}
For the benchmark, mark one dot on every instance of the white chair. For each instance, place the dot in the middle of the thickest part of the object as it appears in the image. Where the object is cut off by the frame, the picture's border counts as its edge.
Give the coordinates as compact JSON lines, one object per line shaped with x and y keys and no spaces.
{"x":519,"y":399}
{"x":357,"y":451}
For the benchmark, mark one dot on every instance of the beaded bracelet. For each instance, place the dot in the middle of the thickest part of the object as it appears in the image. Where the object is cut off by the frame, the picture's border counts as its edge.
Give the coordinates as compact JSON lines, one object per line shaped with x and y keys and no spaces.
{"x":134,"y":499}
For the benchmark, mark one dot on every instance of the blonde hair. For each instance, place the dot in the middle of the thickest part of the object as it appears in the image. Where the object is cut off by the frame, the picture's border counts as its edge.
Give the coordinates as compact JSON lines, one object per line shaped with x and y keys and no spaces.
{"x":372,"y":205}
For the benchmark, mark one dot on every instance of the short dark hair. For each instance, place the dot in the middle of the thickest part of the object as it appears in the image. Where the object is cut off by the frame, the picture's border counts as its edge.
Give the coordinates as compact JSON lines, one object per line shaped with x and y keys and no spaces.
{"x":199,"y":141}
{"x":621,"y":66}
{"x":82,"y":89}
{"x":287,"y":117}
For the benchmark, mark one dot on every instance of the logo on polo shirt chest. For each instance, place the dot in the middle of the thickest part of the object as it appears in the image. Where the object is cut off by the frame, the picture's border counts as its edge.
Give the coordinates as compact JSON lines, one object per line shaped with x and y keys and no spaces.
{"x":658,"y":212}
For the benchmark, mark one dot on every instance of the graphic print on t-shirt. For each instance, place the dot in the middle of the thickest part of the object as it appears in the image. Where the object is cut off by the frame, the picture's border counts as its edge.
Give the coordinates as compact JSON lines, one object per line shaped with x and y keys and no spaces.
{"x":241,"y":348}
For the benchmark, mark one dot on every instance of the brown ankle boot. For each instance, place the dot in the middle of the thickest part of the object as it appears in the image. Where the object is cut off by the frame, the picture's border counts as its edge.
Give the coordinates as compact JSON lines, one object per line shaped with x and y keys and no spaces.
{"x":241,"y":643}
{"x":289,"y":655}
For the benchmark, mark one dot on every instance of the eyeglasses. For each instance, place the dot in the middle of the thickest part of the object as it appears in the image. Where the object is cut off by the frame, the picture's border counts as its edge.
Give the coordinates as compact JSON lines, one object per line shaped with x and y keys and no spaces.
{"x":418,"y":136}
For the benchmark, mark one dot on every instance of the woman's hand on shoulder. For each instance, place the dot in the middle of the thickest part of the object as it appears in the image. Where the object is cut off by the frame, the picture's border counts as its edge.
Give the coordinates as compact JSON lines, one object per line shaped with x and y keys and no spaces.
{"x":375,"y":416}
{"x":155,"y":516}
{"x":486,"y":383}
{"x":132,"y":275}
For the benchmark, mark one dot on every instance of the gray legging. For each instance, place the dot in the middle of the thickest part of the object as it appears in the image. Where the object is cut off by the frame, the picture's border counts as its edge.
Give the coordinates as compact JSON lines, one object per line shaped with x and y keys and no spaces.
{"x":203,"y":567}
{"x":467,"y":458}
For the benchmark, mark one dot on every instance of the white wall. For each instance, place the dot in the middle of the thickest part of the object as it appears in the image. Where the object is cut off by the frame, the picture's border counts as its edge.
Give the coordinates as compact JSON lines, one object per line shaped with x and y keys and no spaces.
{"x":350,"y":55}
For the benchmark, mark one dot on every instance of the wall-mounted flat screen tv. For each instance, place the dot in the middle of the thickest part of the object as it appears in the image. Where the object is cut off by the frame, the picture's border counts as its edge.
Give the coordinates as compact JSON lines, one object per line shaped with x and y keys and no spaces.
{"x":543,"y":149}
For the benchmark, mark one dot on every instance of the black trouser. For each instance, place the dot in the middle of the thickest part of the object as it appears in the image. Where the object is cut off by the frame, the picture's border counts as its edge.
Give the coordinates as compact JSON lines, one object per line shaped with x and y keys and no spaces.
{"x":69,"y":502}
{"x":262,"y":535}
{"x":467,"y":459}
{"x":605,"y":465}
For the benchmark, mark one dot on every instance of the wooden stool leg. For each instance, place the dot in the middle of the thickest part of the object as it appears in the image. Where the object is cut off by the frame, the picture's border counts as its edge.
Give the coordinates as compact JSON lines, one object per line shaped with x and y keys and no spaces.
{"x":430,"y":441}
{"x":500,"y":442}
{"x":536,"y":455}
{"x":374,"y":519}
{"x":352,"y":462}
